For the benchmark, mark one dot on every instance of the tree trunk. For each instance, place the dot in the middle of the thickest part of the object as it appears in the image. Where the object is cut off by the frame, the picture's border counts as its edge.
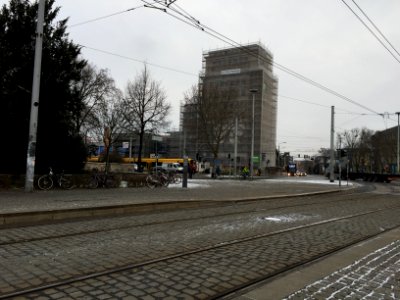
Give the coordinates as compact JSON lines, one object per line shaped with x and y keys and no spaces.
{"x":141,"y":135}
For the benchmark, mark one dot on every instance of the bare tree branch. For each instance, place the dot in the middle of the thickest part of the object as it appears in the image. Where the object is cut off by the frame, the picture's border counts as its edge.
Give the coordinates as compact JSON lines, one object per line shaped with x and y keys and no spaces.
{"x":145,"y":106}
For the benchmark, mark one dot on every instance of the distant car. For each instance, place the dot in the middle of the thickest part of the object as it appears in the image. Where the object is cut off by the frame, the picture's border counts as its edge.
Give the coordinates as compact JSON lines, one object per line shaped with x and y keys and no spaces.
{"x":158,"y":169}
{"x":301,"y":173}
{"x":168,"y":168}
{"x":172,"y":167}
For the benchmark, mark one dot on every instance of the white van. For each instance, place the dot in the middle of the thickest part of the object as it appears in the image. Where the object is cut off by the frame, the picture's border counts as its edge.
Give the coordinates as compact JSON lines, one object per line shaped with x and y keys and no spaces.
{"x":172,"y":167}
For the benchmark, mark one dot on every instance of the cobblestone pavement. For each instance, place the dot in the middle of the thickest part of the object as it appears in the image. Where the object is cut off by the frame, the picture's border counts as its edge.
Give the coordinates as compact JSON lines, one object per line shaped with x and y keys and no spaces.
{"x":323,"y":207}
{"x":62,"y":251}
{"x":210,"y":273}
{"x":375,"y":276}
{"x":13,"y":201}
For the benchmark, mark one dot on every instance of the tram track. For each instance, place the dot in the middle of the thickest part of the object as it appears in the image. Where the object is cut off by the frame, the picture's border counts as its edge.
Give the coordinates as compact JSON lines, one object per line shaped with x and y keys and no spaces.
{"x":240,"y":290}
{"x":353,"y":197}
{"x":227,"y":291}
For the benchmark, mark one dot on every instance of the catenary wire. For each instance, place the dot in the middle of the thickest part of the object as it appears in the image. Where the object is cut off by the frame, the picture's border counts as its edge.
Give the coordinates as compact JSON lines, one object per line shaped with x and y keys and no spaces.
{"x":235,"y":44}
{"x":321,"y":105}
{"x":371,"y":31}
{"x":106,"y":16}
{"x":279,"y":66}
{"x":138,"y":60}
{"x":345,"y":112}
{"x":195,"y":23}
{"x":376,"y":27}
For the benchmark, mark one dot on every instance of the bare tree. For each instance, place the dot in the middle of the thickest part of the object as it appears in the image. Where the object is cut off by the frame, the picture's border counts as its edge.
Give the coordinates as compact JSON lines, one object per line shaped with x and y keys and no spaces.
{"x":365,"y":155}
{"x":358,"y":143}
{"x":216,"y":113}
{"x":351,"y":142}
{"x":93,"y":88}
{"x":145,"y":107}
{"x":190,"y":122}
{"x":106,"y":121}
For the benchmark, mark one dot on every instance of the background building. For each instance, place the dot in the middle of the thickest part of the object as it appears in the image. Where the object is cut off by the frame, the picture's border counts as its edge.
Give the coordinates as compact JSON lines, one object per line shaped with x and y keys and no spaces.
{"x":383,"y":157}
{"x":237,"y":70}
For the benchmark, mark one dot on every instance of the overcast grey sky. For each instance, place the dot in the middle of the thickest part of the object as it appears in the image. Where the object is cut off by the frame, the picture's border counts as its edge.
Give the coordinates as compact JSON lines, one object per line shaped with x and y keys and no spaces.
{"x":320,"y":39}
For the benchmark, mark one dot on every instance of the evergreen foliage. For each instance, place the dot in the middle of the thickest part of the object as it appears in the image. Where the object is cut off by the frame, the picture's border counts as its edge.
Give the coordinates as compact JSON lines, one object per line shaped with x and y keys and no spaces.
{"x":58,"y":143}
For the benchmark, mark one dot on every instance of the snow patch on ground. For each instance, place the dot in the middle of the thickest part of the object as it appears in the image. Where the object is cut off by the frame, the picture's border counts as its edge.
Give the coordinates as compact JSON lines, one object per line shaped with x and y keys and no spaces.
{"x":285,"y":218}
{"x":191,"y":184}
{"x":371,"y":277}
{"x":311,"y":181}
{"x":205,"y":183}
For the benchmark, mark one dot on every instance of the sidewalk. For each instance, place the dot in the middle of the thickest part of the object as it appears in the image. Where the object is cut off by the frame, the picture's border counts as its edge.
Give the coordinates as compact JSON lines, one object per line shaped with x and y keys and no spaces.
{"x":368,"y":270}
{"x":17,"y":206}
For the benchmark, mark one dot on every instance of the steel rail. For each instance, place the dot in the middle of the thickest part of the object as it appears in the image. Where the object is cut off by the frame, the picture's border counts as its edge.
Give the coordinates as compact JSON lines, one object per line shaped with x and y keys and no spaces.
{"x":175,"y":220}
{"x":243,"y":288}
{"x":215,"y":246}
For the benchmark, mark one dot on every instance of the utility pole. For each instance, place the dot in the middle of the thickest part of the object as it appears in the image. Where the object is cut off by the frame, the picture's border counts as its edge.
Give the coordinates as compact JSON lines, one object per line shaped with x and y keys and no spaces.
{"x":253,"y":92}
{"x":235,"y":150}
{"x":31,"y":154}
{"x":398,"y":138}
{"x":130,"y":147}
{"x":332,"y":159}
{"x":185,"y":163}
{"x":340,"y":160}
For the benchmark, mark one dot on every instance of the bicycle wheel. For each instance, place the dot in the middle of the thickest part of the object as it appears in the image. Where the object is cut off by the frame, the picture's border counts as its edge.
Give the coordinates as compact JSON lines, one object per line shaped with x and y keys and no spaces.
{"x":164,"y":180}
{"x":150,"y":182}
{"x":66,"y":183}
{"x":45,"y":182}
{"x":93,"y":183}
{"x":109,"y":182}
{"x":177,"y":178}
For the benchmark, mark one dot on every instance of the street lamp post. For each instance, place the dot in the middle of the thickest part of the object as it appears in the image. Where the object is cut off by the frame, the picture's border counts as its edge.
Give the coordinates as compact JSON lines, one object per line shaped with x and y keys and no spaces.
{"x":398,"y":138}
{"x":253,"y":92}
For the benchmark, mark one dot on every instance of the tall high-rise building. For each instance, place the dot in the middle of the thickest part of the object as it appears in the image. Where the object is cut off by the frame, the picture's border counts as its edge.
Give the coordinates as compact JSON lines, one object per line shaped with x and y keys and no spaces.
{"x":241,"y":72}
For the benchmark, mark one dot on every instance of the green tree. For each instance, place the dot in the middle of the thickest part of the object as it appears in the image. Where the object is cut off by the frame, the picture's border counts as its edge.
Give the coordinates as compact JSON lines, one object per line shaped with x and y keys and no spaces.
{"x":58,"y":143}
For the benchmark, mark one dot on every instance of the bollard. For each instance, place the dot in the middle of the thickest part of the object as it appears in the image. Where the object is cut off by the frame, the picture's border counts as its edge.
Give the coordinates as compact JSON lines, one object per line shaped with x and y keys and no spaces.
{"x":185,"y":172}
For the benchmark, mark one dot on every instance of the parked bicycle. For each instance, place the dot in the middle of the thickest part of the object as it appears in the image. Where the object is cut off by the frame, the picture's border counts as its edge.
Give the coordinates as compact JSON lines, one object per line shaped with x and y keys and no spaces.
{"x":46,"y":182}
{"x":158,"y":179}
{"x":101,"y":179}
{"x":174,"y":177}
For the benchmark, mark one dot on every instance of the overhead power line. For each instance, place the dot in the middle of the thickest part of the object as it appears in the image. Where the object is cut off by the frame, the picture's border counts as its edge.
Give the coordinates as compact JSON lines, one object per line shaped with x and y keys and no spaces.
{"x":377,"y":29}
{"x":106,"y":16}
{"x":326,"y":106}
{"x":192,"y":21}
{"x":138,"y":60}
{"x":371,"y":31}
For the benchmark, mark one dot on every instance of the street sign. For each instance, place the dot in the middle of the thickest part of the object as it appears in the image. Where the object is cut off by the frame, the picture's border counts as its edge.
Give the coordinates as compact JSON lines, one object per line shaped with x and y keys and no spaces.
{"x":256,"y":159}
